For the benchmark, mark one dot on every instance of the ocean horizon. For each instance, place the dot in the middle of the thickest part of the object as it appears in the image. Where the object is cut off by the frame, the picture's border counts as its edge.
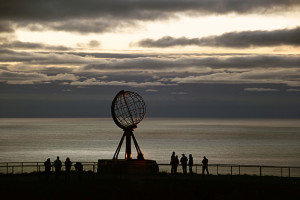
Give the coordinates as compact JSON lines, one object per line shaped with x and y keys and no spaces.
{"x":223,"y":141}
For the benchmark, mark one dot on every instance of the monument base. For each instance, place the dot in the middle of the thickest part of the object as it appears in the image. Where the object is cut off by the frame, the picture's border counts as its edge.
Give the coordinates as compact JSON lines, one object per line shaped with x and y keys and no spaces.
{"x":141,"y":167}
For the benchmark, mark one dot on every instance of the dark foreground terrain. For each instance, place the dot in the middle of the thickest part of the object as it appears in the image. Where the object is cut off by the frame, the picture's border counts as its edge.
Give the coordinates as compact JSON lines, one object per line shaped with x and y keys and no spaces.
{"x":161,"y":186}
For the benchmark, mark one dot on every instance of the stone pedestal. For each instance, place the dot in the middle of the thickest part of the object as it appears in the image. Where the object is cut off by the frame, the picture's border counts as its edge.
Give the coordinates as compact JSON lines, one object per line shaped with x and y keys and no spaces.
{"x":139,"y":167}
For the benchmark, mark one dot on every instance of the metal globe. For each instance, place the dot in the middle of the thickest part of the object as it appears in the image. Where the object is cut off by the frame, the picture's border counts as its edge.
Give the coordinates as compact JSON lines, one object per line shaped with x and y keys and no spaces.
{"x":128,"y":109}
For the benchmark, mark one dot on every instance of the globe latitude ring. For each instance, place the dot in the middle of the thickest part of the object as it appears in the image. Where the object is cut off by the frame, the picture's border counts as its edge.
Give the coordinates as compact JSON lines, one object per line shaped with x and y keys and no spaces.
{"x":128,"y":109}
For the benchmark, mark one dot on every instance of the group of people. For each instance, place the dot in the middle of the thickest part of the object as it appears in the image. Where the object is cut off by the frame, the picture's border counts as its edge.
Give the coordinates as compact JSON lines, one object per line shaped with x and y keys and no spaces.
{"x":57,"y":164}
{"x":186,"y":162}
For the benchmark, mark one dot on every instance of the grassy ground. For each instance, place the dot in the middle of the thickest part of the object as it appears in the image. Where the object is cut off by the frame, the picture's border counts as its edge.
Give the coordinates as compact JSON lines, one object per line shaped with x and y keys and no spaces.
{"x":161,"y":186}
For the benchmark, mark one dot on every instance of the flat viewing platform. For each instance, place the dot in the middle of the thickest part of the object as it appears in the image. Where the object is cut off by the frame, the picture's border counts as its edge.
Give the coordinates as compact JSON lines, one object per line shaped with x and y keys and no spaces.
{"x":89,"y":185}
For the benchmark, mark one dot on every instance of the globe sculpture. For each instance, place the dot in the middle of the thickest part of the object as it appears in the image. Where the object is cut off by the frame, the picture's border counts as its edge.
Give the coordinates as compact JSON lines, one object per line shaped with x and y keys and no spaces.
{"x":127,"y":110}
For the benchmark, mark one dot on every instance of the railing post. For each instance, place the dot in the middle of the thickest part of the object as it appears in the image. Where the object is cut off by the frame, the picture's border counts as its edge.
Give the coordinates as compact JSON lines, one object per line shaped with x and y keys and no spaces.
{"x":217,"y":169}
{"x":280,"y":171}
{"x":22,"y":167}
{"x":12,"y":169}
{"x":6,"y":168}
{"x":37,"y":167}
{"x":239,"y":170}
{"x":259,"y":170}
{"x":289,"y":172}
{"x":196,"y":168}
{"x":231,"y":170}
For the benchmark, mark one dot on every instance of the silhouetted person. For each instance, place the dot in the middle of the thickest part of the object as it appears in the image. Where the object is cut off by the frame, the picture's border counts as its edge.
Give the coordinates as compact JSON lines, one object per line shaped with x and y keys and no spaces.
{"x":57,"y":166}
{"x":68,"y":165}
{"x":205,"y":166}
{"x":184,"y":161}
{"x":172,"y":162}
{"x":79,"y":169}
{"x":176,"y":163}
{"x":191,"y":163}
{"x":47,"y":165}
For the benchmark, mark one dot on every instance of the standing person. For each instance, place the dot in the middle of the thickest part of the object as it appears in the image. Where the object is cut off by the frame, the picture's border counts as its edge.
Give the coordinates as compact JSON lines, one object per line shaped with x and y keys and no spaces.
{"x":172,"y":162}
{"x":176,"y":163}
{"x":205,"y":166}
{"x":68,"y":165}
{"x":57,"y":165}
{"x":47,"y":165}
{"x":184,"y":161}
{"x":79,"y":169}
{"x":191,"y":163}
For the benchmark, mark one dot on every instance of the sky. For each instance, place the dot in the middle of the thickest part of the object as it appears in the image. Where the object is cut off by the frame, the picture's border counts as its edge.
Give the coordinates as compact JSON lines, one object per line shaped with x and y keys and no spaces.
{"x":186,"y":58}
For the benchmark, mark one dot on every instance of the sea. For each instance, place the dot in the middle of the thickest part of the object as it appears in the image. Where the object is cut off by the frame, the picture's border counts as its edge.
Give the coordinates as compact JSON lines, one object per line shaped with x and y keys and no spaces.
{"x":273,"y":142}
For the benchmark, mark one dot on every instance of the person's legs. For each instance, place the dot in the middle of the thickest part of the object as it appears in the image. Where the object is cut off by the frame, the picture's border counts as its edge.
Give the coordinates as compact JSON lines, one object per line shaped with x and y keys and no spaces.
{"x":206,"y":168}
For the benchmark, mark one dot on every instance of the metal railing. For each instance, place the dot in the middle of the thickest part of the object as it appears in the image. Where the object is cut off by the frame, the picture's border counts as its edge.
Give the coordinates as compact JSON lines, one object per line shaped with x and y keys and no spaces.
{"x":234,"y":169}
{"x":215,"y":169}
{"x":29,"y":167}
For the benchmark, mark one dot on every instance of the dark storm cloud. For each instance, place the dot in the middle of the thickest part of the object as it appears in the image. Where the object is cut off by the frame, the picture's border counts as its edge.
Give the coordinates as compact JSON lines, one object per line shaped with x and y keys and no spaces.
{"x":111,"y":55}
{"x":134,"y":9}
{"x":33,"y":77}
{"x":42,"y":58}
{"x":138,"y":62}
{"x":106,"y":15}
{"x":94,"y":43}
{"x":83,"y":25}
{"x":32,"y":45}
{"x":271,"y":69}
{"x":6,"y":27}
{"x":95,"y":82}
{"x":152,"y":71}
{"x":290,"y":77}
{"x":242,"y":39}
{"x":241,"y":62}
{"x":67,"y":57}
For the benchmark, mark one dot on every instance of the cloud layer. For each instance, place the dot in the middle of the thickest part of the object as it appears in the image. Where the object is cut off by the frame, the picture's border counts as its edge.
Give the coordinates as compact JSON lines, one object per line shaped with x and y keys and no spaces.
{"x":148,"y":70}
{"x":32,"y":46}
{"x":107,"y":15}
{"x":136,"y":9}
{"x":56,"y":80}
{"x":244,"y":39}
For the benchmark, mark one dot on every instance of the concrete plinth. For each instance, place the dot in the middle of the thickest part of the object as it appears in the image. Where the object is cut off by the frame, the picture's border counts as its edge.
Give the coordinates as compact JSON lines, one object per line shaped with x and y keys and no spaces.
{"x":141,"y":167}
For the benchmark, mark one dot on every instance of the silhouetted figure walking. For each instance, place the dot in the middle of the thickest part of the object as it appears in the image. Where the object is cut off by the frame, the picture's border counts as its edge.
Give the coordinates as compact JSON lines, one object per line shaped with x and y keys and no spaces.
{"x":205,"y":166}
{"x":191,"y":163}
{"x":172,"y":162}
{"x":68,"y":165}
{"x":184,"y":161}
{"x":57,"y":166}
{"x":79,"y":169}
{"x":176,"y":163}
{"x":47,"y":165}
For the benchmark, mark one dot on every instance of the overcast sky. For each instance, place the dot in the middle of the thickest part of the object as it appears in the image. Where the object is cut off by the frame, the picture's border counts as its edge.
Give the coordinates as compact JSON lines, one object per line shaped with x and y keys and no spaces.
{"x":186,"y":58}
